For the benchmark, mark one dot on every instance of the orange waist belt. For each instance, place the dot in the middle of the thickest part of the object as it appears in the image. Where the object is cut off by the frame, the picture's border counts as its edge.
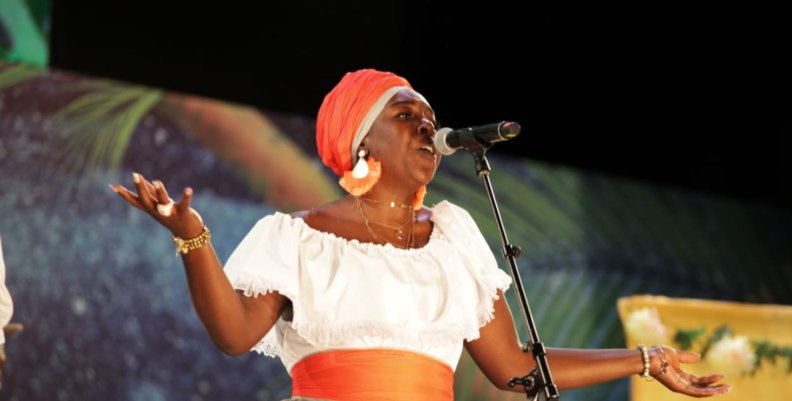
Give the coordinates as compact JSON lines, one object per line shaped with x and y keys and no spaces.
{"x":372,"y":374}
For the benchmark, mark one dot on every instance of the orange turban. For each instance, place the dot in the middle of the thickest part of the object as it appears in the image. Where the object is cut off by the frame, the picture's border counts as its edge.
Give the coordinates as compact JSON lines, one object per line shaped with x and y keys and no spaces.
{"x":343,"y":110}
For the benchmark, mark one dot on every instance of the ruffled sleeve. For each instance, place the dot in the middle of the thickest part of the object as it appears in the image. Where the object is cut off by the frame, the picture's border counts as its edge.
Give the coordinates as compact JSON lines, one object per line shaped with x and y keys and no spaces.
{"x":458,"y":226}
{"x":266,"y":261}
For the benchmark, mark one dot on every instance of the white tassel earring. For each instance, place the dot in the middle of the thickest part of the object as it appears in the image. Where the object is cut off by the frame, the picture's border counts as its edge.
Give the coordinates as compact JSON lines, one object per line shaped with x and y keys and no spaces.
{"x":363,"y":176}
{"x":361,"y":169}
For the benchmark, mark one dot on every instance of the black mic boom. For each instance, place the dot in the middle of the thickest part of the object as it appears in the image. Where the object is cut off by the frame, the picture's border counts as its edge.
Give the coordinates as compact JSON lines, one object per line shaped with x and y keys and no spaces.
{"x":447,"y":140}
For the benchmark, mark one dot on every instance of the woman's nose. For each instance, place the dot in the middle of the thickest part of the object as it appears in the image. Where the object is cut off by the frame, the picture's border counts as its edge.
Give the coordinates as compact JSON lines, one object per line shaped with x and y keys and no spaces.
{"x":426,"y":128}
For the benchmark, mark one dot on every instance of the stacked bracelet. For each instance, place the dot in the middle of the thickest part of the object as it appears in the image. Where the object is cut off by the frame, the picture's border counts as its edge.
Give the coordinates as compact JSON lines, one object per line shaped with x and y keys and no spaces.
{"x":658,"y":349}
{"x":645,"y":358}
{"x":186,"y":245}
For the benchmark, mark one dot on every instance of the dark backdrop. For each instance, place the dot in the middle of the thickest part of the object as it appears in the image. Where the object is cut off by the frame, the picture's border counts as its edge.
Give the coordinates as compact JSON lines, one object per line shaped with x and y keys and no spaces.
{"x":688,"y":97}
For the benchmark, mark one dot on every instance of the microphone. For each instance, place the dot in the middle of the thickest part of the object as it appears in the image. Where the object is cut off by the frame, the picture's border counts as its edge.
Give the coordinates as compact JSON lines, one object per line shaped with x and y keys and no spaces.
{"x":447,"y":140}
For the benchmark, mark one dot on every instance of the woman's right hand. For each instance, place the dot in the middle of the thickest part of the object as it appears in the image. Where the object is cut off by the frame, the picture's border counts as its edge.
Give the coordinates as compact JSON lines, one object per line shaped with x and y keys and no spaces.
{"x":152,"y":198}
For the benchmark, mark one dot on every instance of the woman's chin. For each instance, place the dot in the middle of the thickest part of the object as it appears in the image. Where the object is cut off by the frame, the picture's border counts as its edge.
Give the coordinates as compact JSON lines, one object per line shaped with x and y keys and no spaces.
{"x":424,"y":179}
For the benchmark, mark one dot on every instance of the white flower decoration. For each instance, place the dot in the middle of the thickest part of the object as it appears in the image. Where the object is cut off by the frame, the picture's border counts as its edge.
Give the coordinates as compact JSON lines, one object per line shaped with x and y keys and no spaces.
{"x":732,"y":356}
{"x":645,"y":327}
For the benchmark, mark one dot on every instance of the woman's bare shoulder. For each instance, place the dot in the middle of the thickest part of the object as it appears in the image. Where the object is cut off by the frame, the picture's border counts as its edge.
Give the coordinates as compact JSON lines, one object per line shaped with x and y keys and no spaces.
{"x":337,"y":217}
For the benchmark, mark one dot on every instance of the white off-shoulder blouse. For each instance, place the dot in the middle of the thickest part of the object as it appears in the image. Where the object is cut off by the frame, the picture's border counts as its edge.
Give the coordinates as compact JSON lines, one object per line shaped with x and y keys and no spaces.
{"x":348,"y":294}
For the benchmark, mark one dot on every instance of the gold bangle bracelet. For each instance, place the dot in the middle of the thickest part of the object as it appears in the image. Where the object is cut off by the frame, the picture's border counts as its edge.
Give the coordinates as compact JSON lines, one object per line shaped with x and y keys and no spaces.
{"x":186,"y":245}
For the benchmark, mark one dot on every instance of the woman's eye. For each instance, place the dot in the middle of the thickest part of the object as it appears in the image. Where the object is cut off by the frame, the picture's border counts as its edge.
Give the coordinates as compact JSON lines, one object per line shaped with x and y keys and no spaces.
{"x":404,"y":115}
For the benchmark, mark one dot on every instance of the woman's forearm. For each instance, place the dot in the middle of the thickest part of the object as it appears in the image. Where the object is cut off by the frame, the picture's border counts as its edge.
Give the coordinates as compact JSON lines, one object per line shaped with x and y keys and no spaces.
{"x":219,"y":307}
{"x":573,"y":368}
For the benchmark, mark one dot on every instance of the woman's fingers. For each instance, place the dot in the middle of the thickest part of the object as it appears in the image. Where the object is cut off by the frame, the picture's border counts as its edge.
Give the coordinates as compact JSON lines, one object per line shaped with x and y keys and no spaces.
{"x":160,"y":192}
{"x":128,"y":196}
{"x":184,"y":204}
{"x":707,"y":391}
{"x":683,"y":382}
{"x":706,"y":380}
{"x":164,"y":202}
{"x":153,"y":198}
{"x":688,"y":357}
{"x":145,"y":192}
{"x":150,"y":196}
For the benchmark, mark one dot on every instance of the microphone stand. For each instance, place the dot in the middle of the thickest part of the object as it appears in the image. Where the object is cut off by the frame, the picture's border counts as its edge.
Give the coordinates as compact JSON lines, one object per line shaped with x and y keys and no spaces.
{"x":538,"y":384}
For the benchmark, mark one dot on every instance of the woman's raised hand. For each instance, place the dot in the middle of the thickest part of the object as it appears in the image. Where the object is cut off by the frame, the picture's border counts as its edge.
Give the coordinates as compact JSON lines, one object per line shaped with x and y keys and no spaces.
{"x":152,"y":198}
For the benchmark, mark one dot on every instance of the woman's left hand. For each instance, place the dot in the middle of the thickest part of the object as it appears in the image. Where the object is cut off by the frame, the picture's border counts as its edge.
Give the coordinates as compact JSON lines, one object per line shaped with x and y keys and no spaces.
{"x":667,"y":370}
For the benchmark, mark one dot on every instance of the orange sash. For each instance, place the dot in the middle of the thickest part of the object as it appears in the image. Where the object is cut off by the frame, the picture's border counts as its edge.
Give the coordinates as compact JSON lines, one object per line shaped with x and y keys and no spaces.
{"x":372,"y":374}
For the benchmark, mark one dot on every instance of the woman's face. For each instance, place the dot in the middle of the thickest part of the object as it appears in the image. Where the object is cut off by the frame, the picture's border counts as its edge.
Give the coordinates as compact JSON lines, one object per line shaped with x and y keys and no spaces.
{"x":401,"y":139}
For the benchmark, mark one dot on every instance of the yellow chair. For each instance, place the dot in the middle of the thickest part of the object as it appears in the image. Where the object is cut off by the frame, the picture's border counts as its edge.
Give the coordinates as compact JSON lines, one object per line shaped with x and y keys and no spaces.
{"x":757,"y":322}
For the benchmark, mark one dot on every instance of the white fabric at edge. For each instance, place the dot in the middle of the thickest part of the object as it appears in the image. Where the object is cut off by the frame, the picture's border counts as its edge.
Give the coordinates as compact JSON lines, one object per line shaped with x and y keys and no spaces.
{"x":6,"y":304}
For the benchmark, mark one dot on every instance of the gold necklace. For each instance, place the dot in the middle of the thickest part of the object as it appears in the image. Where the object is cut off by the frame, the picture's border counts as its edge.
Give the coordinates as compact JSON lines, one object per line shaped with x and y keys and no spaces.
{"x":391,"y":203}
{"x":398,"y":230}
{"x":410,"y":237}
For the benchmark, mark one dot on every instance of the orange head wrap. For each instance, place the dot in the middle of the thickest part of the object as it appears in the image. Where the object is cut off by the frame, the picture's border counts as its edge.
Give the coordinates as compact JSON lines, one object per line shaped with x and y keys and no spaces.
{"x":344,"y":110}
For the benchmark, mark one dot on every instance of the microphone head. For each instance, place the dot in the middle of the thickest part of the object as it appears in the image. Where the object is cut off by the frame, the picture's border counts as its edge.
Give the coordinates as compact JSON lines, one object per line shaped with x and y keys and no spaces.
{"x":509,"y":129}
{"x":440,"y":143}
